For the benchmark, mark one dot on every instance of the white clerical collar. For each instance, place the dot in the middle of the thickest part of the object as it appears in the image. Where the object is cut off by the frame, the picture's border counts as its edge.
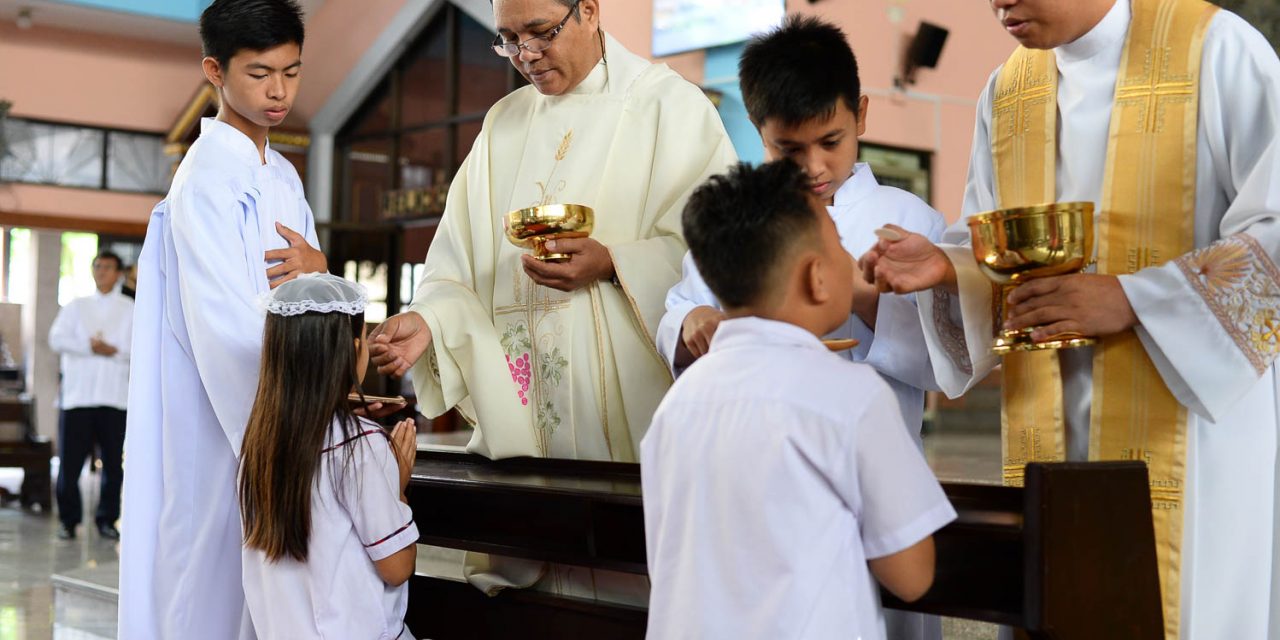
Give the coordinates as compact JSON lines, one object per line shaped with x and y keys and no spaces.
{"x":234,"y":140}
{"x":754,"y":331}
{"x":1108,"y":33}
{"x":859,"y":185}
{"x":595,"y":82}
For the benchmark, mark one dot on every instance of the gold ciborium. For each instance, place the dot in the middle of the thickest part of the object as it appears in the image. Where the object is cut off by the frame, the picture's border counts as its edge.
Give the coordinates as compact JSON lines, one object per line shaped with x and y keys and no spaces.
{"x":1013,"y":246}
{"x":532,"y":227}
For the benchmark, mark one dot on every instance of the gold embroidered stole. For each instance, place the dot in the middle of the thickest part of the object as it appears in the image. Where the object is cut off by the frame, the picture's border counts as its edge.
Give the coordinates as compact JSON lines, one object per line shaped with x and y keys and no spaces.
{"x":1147,"y":212}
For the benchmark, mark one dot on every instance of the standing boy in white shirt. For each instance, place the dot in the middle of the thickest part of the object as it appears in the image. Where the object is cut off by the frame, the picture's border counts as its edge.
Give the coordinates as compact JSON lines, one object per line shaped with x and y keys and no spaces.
{"x":92,"y":334}
{"x":779,"y":482}
{"x":801,"y":89}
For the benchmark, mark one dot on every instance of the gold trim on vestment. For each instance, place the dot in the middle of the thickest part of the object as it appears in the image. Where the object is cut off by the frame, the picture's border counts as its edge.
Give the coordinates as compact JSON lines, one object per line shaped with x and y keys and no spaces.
{"x":1023,"y":148}
{"x":1146,"y":217}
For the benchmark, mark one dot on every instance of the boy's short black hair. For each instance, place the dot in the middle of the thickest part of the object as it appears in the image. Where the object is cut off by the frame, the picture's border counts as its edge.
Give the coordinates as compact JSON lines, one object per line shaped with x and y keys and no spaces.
{"x":797,"y":72}
{"x":228,"y":27}
{"x":110,"y":255}
{"x":741,"y":224}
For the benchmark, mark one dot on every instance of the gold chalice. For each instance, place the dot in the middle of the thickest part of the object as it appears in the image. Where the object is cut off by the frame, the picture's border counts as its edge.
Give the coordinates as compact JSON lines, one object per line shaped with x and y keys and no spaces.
{"x":532,"y":227}
{"x":1013,"y":246}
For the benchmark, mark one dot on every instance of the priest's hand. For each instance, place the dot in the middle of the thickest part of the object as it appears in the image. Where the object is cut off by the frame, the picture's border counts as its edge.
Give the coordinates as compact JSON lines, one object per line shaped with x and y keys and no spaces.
{"x":904,"y":262}
{"x":100,"y":347}
{"x":298,"y":259}
{"x":399,"y":342}
{"x":404,"y":442}
{"x":696,"y":331}
{"x":589,"y":261}
{"x":1083,"y":303}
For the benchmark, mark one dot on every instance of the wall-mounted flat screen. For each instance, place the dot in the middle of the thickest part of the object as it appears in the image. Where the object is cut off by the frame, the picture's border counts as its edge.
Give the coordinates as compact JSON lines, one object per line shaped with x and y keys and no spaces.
{"x":686,"y":25}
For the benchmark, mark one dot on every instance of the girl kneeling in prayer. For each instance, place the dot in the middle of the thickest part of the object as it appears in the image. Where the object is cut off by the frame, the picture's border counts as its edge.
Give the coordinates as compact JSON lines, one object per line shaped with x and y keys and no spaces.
{"x":328,"y":536}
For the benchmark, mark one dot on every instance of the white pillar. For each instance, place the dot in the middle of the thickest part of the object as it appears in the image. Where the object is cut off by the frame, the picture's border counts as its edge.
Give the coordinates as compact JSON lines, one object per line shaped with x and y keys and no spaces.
{"x":41,"y":361}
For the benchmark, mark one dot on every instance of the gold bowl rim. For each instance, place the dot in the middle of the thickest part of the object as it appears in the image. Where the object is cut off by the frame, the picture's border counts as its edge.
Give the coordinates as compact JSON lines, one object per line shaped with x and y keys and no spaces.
{"x":1014,"y":213}
{"x":566,"y":209}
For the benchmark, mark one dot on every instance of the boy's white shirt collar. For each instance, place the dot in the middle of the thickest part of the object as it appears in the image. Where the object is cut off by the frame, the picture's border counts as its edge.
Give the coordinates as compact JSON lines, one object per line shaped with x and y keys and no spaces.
{"x":859,"y":185}
{"x":755,"y":331}
{"x":235,"y":140}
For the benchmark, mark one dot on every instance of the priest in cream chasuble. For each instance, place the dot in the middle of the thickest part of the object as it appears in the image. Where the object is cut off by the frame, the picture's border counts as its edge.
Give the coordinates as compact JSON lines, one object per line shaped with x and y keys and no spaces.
{"x":572,"y":374}
{"x":537,"y":370}
{"x":541,"y":371}
{"x":1165,"y":114}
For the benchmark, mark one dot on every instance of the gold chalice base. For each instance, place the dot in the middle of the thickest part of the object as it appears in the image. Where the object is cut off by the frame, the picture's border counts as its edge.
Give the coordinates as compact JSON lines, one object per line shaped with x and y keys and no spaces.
{"x":1009,"y":341}
{"x":532,"y":227}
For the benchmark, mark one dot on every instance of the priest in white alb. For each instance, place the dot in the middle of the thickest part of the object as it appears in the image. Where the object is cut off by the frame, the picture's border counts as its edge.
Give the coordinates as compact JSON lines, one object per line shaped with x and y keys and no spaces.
{"x":558,"y":359}
{"x":1165,"y":115}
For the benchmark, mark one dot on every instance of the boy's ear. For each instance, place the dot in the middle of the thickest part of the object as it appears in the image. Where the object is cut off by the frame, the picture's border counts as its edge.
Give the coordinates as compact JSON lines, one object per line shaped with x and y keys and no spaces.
{"x":212,"y":71}
{"x":816,"y":287}
{"x":862,"y":115}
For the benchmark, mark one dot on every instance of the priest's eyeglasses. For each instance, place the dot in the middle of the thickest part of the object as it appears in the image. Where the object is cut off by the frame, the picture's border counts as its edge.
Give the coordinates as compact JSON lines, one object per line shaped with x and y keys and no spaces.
{"x":536,"y":44}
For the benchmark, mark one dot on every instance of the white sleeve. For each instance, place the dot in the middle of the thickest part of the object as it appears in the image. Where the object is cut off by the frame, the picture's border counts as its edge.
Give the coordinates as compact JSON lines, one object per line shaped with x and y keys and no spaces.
{"x":958,"y":329}
{"x":220,"y":273}
{"x":898,"y":348}
{"x":886,"y":481}
{"x":1210,"y":319}
{"x":687,"y":294}
{"x":66,"y":336}
{"x":370,"y":492}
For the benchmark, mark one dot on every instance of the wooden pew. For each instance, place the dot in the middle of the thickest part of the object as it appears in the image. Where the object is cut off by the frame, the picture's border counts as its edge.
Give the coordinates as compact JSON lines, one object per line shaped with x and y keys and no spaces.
{"x":29,"y":451}
{"x":1070,"y":556}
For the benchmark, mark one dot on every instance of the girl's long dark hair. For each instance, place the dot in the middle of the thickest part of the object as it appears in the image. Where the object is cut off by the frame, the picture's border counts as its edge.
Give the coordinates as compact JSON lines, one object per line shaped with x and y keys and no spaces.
{"x":308,"y":368}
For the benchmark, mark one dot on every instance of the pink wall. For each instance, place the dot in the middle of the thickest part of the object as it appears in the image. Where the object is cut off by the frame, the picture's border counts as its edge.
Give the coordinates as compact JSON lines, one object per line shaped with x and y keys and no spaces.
{"x":631,"y":22}
{"x":936,"y":115}
{"x":30,"y":205}
{"x":85,"y":78}
{"x":90,"y":79}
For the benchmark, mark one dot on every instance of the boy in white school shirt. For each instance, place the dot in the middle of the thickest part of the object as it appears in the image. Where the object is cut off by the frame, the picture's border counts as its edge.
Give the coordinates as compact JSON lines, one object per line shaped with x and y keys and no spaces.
{"x":779,"y":481}
{"x":801,"y":89}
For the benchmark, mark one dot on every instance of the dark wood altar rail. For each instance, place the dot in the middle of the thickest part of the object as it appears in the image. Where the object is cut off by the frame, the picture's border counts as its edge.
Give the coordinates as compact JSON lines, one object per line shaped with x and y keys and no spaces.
{"x":1070,"y":556}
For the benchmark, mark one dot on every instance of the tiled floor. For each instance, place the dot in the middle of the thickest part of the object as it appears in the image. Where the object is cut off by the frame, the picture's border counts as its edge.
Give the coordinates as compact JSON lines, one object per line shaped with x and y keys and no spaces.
{"x":78,"y":604}
{"x":29,"y":556}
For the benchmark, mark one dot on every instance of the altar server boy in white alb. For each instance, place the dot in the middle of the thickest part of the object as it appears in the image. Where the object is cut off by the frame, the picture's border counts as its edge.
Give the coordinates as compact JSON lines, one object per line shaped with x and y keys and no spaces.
{"x":233,"y":225}
{"x":800,"y":86}
{"x":779,"y":481}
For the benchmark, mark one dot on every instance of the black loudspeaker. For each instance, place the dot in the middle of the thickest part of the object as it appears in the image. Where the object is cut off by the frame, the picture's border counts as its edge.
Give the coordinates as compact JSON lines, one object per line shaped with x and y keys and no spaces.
{"x":923,"y":51}
{"x":926,"y":47}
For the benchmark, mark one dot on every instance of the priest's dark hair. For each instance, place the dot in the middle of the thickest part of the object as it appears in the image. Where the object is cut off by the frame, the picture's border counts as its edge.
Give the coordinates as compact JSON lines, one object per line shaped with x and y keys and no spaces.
{"x":568,"y":4}
{"x":742,"y":226}
{"x":308,"y":368}
{"x":797,"y":73}
{"x":228,"y":27}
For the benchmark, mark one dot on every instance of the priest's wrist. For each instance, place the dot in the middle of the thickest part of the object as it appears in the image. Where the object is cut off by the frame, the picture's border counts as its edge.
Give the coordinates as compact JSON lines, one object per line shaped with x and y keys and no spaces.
{"x":950,"y":282}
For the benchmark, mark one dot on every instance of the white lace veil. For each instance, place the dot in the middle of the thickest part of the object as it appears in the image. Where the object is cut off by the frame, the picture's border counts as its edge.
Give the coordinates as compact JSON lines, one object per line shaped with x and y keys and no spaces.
{"x":320,"y":292}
